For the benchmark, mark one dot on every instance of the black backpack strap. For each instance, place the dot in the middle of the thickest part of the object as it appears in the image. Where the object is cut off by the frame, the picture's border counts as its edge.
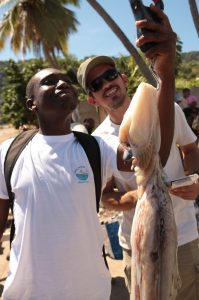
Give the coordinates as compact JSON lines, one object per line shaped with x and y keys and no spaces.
{"x":15,"y":149}
{"x":91,"y":147}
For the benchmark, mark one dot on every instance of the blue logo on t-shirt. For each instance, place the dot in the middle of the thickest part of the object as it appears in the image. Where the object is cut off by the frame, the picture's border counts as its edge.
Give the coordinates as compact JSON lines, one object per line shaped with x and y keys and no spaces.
{"x":81,"y":173}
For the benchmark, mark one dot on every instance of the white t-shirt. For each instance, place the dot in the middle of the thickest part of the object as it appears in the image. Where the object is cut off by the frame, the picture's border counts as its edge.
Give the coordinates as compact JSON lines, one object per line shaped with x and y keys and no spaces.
{"x":124,"y":181}
{"x":184,"y":210}
{"x":56,"y":253}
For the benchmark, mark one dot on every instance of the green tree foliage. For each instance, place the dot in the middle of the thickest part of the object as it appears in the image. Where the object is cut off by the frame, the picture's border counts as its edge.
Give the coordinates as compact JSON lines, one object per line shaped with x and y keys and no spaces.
{"x":13,"y":93}
{"x":37,"y":25}
{"x":15,"y":76}
{"x":190,"y":56}
{"x":188,"y":71}
{"x":128,"y":66}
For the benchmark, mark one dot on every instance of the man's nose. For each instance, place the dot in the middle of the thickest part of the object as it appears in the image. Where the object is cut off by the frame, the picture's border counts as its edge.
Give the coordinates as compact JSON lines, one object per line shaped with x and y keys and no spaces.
{"x":61,"y":83}
{"x":105,"y":82}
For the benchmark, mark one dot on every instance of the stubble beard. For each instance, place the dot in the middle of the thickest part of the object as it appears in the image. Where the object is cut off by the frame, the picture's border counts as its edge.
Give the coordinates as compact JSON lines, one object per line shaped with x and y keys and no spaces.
{"x":117,"y":102}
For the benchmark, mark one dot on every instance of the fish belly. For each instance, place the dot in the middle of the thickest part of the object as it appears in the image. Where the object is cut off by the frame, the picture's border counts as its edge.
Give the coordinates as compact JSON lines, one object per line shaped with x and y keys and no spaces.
{"x":154,"y":272}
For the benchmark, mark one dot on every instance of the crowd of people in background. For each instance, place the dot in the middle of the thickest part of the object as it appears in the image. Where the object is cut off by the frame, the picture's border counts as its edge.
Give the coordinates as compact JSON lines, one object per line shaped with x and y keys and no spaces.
{"x":190,"y":106}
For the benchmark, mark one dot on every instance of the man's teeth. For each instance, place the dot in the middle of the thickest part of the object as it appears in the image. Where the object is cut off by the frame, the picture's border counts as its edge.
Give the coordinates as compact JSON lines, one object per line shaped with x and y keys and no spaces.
{"x":111,"y":92}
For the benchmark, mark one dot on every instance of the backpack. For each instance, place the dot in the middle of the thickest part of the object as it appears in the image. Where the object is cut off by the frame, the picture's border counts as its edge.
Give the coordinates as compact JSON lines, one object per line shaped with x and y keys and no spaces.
{"x":90,"y":146}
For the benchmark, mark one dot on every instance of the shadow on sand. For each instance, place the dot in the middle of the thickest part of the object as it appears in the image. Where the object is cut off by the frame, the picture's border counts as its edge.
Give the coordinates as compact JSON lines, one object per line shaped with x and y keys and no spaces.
{"x":119,"y":290}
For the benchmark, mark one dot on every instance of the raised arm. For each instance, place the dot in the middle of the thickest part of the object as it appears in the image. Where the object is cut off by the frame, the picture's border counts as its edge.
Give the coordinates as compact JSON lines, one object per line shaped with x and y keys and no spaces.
{"x":162,"y":59}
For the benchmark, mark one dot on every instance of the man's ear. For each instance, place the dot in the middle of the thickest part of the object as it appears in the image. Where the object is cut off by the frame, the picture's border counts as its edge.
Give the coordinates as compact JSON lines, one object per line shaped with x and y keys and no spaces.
{"x":125,"y":79}
{"x":91,"y":100}
{"x":30,"y":104}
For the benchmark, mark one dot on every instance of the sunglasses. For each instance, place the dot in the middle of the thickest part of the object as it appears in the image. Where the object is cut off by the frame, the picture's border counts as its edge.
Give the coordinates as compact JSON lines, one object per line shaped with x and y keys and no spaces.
{"x":97,"y":83}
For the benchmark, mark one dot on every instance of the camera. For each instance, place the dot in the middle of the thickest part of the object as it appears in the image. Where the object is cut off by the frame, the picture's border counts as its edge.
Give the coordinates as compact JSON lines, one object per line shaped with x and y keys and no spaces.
{"x":184,"y":181}
{"x":141,"y":12}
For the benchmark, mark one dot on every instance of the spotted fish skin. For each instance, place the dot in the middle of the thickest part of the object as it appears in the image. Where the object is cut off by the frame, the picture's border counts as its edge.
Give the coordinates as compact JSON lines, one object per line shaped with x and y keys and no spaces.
{"x":154,"y":244}
{"x":154,"y":271}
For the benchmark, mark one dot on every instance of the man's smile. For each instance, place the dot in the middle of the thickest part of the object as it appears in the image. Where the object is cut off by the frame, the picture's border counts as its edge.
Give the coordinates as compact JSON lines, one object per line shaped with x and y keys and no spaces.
{"x":110,"y":92}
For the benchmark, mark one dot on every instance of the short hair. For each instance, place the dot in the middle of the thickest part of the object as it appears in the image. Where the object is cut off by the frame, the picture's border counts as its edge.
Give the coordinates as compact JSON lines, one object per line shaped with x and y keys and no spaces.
{"x":186,"y":90}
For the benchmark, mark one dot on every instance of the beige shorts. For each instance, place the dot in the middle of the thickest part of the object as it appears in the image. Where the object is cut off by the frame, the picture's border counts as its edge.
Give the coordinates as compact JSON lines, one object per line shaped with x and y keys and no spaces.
{"x":188,"y":264}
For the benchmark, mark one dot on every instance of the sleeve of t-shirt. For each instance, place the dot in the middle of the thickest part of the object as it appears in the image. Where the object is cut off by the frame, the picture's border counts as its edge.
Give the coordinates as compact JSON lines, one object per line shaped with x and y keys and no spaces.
{"x":108,"y":147}
{"x":3,"y":150}
{"x":184,"y":134}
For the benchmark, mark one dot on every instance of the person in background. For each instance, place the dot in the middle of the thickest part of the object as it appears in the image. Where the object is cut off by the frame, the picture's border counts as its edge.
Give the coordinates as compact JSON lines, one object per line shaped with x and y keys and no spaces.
{"x":89,"y":123}
{"x":23,"y":127}
{"x":77,"y":126}
{"x":107,"y":87}
{"x":186,"y":92}
{"x":191,"y":112}
{"x":195,"y":127}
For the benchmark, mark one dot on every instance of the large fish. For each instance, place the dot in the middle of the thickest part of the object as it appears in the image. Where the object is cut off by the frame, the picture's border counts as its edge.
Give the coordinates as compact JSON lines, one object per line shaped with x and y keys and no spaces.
{"x":154,"y":271}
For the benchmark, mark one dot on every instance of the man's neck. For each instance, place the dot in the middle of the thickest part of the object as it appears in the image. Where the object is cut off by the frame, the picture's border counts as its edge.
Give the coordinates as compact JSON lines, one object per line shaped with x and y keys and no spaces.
{"x":57,"y":127}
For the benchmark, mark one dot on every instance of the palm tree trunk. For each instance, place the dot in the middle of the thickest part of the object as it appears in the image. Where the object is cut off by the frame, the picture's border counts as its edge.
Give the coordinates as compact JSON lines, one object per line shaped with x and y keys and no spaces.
{"x":195,"y":15}
{"x":125,"y":41}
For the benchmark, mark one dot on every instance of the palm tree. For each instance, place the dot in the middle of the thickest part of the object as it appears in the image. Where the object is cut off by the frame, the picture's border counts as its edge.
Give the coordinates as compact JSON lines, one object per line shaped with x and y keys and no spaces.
{"x":37,"y":25}
{"x":195,"y":15}
{"x":125,"y":41}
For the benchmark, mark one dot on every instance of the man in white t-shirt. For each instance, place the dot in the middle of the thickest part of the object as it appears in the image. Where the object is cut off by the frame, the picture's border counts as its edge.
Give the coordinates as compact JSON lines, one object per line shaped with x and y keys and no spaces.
{"x":108,"y":88}
{"x":186,"y":92}
{"x":57,"y":249}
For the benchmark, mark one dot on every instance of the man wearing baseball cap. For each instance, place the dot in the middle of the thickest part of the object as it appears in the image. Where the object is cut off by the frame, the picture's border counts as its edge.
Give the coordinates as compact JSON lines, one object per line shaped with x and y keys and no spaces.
{"x":106,"y":87}
{"x":89,"y":64}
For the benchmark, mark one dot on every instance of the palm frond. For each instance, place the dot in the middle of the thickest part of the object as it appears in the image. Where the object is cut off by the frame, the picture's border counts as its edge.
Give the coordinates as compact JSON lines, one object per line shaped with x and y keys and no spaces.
{"x":65,"y":2}
{"x":38,"y":25}
{"x":5,"y":29}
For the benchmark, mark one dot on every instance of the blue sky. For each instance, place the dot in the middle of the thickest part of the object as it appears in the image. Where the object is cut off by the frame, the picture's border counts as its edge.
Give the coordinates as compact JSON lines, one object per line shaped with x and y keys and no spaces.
{"x":95,"y":37}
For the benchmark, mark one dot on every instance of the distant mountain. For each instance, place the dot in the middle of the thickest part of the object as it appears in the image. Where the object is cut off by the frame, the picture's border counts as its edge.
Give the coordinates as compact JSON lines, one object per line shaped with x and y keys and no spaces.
{"x":190,"y":56}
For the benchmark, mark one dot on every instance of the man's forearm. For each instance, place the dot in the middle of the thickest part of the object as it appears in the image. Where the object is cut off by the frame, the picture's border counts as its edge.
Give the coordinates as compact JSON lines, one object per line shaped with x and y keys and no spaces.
{"x":166,"y":114}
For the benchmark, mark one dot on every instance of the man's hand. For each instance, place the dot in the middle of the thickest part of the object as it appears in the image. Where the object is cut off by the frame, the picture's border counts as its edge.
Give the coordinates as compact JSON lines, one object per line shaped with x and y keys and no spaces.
{"x":129,"y":200}
{"x":189,"y":192}
{"x":119,"y":201}
{"x":112,"y":199}
{"x":163,"y":53}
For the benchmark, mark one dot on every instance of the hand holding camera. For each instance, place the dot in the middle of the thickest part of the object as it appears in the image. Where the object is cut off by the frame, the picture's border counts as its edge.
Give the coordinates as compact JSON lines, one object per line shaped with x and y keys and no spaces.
{"x":142,"y":12}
